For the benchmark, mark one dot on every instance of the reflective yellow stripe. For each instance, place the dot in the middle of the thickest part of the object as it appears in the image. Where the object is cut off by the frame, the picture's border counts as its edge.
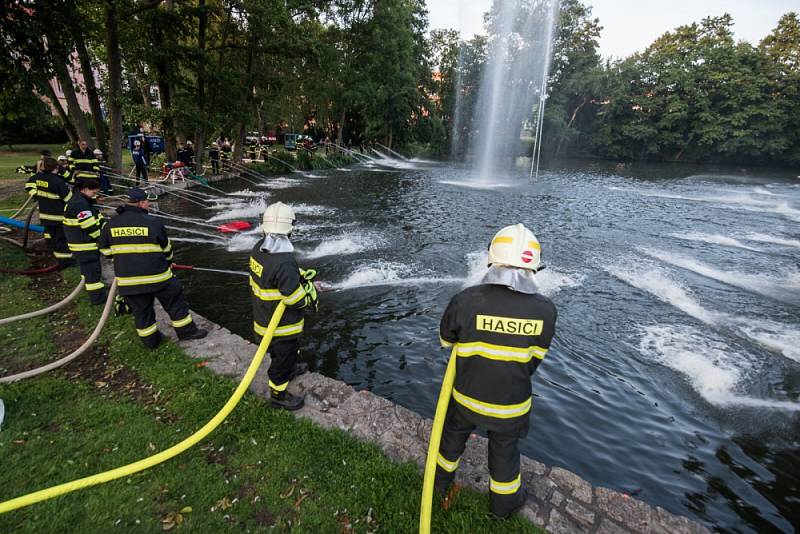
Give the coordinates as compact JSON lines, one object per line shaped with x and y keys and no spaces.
{"x":87,"y":222}
{"x":95,"y":286}
{"x":264,"y":294}
{"x":71,"y":222}
{"x":82,"y":247}
{"x":182,"y":322}
{"x":62,"y":255}
{"x":505,"y":488}
{"x":498,"y":411}
{"x":447,"y":465}
{"x":105,"y":251}
{"x":501,"y":353}
{"x":444,"y":342}
{"x":276,"y":387}
{"x":149,"y":331}
{"x":141,"y":280}
{"x":48,"y":217}
{"x":295,"y":297}
{"x":45,"y":194}
{"x":285,"y":330}
{"x":69,"y":196}
{"x":47,"y":236}
{"x":143,"y":248}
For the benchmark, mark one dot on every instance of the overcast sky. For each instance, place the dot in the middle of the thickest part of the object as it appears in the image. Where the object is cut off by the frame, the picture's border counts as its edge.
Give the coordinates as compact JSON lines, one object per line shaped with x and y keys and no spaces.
{"x":631,"y":25}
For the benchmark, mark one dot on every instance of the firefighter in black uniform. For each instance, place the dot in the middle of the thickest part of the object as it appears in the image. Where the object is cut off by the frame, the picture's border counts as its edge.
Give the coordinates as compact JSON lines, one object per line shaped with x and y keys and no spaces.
{"x":274,"y":277}
{"x":142,"y":255}
{"x":213,"y":155}
{"x":52,"y":193}
{"x":225,"y":156}
{"x":502,"y":329}
{"x":82,"y":225}
{"x":82,"y":162}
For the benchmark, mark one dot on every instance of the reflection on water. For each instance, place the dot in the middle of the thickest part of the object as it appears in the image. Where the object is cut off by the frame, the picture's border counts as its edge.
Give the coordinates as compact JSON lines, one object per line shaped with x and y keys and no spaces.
{"x":676,"y":369}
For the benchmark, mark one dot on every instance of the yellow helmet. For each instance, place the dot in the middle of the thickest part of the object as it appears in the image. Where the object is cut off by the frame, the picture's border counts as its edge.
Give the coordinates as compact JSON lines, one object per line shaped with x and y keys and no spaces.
{"x":515,"y":246}
{"x":278,"y":219}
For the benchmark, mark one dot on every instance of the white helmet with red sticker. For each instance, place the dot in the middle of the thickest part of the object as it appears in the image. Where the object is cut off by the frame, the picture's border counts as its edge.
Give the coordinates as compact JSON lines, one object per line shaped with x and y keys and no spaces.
{"x":515,"y":246}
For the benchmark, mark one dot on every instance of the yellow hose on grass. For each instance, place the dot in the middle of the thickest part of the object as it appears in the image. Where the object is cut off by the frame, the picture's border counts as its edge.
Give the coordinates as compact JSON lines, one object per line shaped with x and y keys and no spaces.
{"x":145,"y":463}
{"x":433,"y":445}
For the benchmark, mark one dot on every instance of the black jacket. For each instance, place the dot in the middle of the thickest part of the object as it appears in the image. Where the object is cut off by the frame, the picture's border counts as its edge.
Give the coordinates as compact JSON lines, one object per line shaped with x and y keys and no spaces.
{"x":83,"y":164}
{"x":276,"y":277}
{"x":501,"y":337}
{"x":52,"y":192}
{"x":82,"y":223}
{"x":141,"y":250}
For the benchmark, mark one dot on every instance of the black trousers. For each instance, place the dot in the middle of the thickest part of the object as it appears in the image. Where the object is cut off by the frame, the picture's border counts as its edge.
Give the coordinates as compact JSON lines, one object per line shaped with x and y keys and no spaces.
{"x":57,"y":242}
{"x":283,"y":353}
{"x":175,"y":304}
{"x":214,"y":166}
{"x":141,"y":174}
{"x":89,"y":264}
{"x":506,"y":492}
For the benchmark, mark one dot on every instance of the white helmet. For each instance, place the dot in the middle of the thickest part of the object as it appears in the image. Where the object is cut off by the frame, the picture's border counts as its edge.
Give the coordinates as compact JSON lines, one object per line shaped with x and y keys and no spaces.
{"x":515,"y":246}
{"x":278,"y":219}
{"x":137,"y":143}
{"x":68,"y":153}
{"x":188,"y":143}
{"x":62,"y":158}
{"x":97,"y":152}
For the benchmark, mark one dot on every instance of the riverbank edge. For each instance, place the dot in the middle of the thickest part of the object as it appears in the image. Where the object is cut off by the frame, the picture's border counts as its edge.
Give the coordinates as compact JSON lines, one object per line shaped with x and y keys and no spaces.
{"x":558,"y":500}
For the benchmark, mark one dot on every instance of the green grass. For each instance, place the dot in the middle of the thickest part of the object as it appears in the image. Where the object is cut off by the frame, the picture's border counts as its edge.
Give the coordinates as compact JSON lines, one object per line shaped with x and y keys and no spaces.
{"x":28,"y":154}
{"x":261,"y":468}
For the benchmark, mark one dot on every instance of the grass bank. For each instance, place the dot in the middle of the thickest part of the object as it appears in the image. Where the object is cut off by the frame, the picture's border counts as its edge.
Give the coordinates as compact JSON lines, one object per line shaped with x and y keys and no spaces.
{"x":261,"y":469}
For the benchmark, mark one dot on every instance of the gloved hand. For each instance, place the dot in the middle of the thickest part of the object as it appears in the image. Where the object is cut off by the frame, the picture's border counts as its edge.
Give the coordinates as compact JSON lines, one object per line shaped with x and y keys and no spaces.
{"x":312,"y":299}
{"x":120,"y":306}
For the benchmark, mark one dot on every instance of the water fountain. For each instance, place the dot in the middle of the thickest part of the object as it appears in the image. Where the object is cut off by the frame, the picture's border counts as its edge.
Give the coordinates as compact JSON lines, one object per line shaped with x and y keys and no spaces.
{"x":513,"y":84}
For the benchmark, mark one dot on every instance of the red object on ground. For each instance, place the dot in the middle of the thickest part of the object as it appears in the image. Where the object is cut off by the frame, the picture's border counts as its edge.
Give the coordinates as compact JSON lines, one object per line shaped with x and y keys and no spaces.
{"x":234,"y":226}
{"x":31,"y":271}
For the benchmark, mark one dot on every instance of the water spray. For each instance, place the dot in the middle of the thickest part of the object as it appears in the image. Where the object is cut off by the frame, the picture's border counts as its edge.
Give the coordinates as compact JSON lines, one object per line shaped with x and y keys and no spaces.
{"x":398,"y":154}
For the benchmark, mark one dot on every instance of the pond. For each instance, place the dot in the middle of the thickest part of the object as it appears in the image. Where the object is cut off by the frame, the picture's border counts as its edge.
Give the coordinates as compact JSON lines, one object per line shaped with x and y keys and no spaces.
{"x":675,"y":372}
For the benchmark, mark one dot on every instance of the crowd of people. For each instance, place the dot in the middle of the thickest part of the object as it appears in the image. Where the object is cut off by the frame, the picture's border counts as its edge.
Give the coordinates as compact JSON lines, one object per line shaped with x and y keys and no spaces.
{"x":500,"y":329}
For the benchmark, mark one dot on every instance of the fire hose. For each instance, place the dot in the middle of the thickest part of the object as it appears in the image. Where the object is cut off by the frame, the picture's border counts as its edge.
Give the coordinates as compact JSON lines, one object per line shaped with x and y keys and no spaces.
{"x":433,"y":445}
{"x":77,"y":352}
{"x":145,"y":463}
{"x":30,"y":315}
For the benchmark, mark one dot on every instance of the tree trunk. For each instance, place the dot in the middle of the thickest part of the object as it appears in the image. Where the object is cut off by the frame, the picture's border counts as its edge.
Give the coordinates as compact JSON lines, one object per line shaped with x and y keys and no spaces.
{"x":91,"y":91}
{"x":239,"y":148}
{"x":72,"y":133}
{"x":340,"y":136}
{"x":200,"y":133}
{"x":142,"y":86}
{"x":165,"y":97}
{"x":73,"y":108}
{"x":114,"y":64}
{"x":569,"y":124}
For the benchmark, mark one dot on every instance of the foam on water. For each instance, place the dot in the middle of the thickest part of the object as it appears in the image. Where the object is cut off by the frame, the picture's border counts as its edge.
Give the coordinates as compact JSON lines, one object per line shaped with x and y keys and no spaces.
{"x":476,"y":185}
{"x":774,"y":336}
{"x":775,"y":240}
{"x":716,"y":240}
{"x":244,"y":241}
{"x":785,"y":290}
{"x":659,"y":284}
{"x":712,"y":368}
{"x":550,"y":281}
{"x":251,"y":210}
{"x":282,"y":183}
{"x":248,"y":193}
{"x":345,"y":244}
{"x":311,"y":209}
{"x":738,"y":201}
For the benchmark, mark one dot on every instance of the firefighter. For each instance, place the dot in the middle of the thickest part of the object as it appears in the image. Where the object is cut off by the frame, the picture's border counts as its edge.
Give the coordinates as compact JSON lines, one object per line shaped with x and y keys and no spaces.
{"x":140,"y":162}
{"x":225,"y":156}
{"x":274,"y":277}
{"x":82,"y":224}
{"x":63,"y":167}
{"x":102,"y":175}
{"x":142,"y":255}
{"x":52,"y":193}
{"x":502,"y":329}
{"x":213,"y":155}
{"x":186,"y":154}
{"x":82,"y":163}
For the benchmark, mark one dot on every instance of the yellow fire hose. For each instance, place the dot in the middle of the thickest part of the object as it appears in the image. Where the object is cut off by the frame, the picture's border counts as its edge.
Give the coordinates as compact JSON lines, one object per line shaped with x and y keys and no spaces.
{"x":100,"y":478}
{"x":433,"y":445}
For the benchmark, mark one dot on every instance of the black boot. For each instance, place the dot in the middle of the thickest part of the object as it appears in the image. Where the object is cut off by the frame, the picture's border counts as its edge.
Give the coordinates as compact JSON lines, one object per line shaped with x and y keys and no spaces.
{"x":285,"y":400}
{"x":299,"y":368}
{"x":199,"y":333}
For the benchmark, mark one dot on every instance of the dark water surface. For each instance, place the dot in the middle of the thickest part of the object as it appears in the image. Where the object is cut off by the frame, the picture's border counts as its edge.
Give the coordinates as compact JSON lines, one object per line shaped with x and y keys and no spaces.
{"x":675,"y":374}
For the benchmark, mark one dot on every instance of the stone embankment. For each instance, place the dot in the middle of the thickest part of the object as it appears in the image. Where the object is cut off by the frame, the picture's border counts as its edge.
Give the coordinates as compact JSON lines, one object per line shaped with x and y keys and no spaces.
{"x":558,"y":500}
